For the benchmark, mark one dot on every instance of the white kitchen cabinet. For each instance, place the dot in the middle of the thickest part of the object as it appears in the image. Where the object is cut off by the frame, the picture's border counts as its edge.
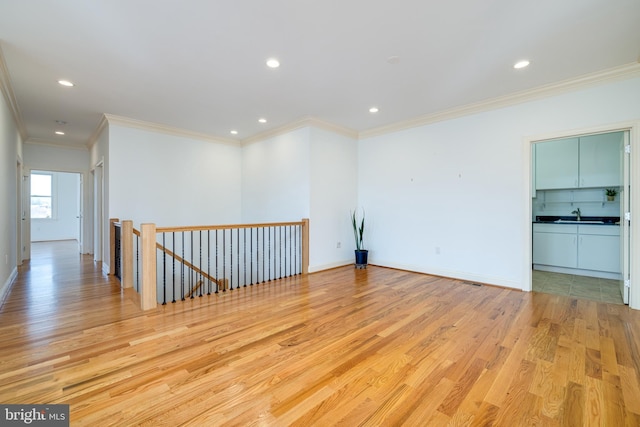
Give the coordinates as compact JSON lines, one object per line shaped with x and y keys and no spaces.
{"x":581,"y":248}
{"x":599,"y":248}
{"x":555,"y":244}
{"x":586,"y":162}
{"x":601,"y":160}
{"x":557,"y":164}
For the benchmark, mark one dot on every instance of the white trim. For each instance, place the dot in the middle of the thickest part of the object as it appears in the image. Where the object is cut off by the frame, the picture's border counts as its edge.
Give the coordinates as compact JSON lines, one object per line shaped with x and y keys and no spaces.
{"x":316,"y":268}
{"x":8,"y":285}
{"x":578,"y":272}
{"x":453,"y":274}
{"x":7,"y":91}
{"x":49,"y":143}
{"x":160,"y":128}
{"x":613,"y":74}
{"x":96,"y":133}
{"x":634,"y":139}
{"x":587,"y":80}
{"x":298,"y":124}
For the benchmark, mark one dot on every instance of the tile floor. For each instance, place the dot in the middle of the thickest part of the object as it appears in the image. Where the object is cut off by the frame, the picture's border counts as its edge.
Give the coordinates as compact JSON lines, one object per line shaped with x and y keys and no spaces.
{"x":593,"y":288}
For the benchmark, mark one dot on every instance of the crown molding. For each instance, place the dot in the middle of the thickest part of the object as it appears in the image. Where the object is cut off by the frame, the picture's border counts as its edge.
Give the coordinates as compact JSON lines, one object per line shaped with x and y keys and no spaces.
{"x":56,"y":144}
{"x":160,"y":128}
{"x":588,"y":80}
{"x":298,"y":124}
{"x":7,"y":91}
{"x":96,"y":133}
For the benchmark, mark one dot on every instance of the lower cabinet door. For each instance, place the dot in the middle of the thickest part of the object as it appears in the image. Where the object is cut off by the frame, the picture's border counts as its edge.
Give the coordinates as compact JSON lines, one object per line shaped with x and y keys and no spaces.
{"x":560,"y":250}
{"x":601,"y":253}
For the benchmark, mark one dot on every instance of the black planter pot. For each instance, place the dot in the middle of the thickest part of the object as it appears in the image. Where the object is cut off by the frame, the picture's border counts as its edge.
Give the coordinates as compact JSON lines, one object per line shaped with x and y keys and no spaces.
{"x":361,"y":258}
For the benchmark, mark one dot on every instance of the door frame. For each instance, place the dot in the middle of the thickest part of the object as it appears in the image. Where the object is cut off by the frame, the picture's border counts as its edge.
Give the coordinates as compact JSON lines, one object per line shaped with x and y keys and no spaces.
{"x":21,"y":218}
{"x":97,"y":173}
{"x":84,"y":228}
{"x":633,"y":127}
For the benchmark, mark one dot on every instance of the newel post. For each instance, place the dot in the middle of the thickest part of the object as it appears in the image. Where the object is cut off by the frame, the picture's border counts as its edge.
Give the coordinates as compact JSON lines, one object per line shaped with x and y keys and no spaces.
{"x":148,"y":290}
{"x":113,"y":223}
{"x":126,"y":243}
{"x":305,"y":245}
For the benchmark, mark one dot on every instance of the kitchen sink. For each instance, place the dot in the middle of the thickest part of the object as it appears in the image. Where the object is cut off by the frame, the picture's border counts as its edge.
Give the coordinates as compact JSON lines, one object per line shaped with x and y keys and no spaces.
{"x":569,"y":221}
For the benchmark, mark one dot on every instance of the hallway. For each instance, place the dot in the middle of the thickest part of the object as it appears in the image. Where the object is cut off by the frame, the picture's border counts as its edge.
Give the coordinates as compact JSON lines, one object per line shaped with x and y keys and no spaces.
{"x":339,"y":347}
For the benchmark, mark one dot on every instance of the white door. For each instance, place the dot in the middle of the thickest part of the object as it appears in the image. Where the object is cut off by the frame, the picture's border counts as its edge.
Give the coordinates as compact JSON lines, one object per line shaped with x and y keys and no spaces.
{"x":625,"y":232}
{"x":25,"y":215}
{"x":80,"y":214}
{"x":20,"y":216}
{"x":97,"y":212}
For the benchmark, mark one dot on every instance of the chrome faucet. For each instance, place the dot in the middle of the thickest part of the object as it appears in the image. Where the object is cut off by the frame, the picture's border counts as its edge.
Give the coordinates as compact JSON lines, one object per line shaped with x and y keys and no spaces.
{"x":577,"y":213}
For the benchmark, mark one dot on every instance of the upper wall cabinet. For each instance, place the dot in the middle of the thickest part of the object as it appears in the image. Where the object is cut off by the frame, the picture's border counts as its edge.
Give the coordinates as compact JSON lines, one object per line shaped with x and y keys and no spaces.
{"x":601,"y":160}
{"x":585,"y":162}
{"x":557,"y":164}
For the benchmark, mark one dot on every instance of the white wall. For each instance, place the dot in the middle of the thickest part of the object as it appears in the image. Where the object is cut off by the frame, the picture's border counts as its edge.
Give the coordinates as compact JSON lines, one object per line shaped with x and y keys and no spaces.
{"x":306,"y":173}
{"x":171,"y":180}
{"x":64,"y":224}
{"x":275,"y":178}
{"x":10,"y":153}
{"x":460,"y":187}
{"x":334,"y":194}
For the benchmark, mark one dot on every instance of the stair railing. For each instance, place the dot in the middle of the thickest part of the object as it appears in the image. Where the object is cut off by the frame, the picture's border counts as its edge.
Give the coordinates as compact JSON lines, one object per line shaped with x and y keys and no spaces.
{"x":179,"y":263}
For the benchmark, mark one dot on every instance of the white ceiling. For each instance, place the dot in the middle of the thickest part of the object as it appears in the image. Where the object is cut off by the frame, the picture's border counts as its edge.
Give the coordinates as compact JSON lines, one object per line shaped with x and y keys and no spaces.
{"x":199,"y":65}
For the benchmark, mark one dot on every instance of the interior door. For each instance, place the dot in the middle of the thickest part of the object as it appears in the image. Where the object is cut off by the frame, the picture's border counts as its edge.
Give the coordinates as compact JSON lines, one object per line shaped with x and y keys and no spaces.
{"x":80,"y":214}
{"x":625,"y":224}
{"x":26,"y":215}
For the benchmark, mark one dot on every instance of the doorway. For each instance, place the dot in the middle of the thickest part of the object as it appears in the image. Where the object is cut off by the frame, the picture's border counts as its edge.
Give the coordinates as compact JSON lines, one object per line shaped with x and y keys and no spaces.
{"x":98,"y":206}
{"x":55,"y":206}
{"x":580,"y":194}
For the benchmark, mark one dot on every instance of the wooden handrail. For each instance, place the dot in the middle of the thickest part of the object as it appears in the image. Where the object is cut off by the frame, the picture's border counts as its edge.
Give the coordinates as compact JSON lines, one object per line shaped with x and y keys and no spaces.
{"x":187,"y":263}
{"x":224,"y":227}
{"x":148,"y":247}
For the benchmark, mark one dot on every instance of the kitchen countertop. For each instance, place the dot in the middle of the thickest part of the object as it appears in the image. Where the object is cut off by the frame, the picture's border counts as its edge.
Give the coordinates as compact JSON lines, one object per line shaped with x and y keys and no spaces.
{"x":586,"y":220}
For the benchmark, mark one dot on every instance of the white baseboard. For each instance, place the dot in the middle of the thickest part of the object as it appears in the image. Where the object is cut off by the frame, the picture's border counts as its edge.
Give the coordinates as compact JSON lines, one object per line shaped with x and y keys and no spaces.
{"x":316,"y":268}
{"x":453,"y":274}
{"x":6,"y":287}
{"x":578,"y":272}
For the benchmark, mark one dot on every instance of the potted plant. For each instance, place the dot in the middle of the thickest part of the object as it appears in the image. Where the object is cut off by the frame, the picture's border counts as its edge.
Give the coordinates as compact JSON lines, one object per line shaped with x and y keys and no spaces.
{"x":611,"y":194}
{"x":358,"y":232}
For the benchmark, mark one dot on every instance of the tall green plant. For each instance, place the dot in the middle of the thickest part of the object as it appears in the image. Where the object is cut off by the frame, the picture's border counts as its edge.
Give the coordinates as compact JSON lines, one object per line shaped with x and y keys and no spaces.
{"x":358,"y":229}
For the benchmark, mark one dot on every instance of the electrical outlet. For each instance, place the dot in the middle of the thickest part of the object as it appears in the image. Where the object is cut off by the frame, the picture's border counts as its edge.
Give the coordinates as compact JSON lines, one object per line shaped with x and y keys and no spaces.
{"x":338,"y":245}
{"x":437,"y":250}
{"x":6,"y":259}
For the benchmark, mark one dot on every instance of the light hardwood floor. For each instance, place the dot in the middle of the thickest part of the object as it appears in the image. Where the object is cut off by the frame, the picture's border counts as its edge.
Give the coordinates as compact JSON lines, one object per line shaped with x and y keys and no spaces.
{"x":376,"y":347}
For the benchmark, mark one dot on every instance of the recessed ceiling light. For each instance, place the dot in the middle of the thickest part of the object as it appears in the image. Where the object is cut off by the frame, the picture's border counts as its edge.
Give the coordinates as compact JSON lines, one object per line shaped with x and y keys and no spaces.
{"x":262,"y":120}
{"x":59,"y":132}
{"x":234,"y":132}
{"x":521,"y":64}
{"x":65,"y":83}
{"x":373,"y":110}
{"x":273,"y":63}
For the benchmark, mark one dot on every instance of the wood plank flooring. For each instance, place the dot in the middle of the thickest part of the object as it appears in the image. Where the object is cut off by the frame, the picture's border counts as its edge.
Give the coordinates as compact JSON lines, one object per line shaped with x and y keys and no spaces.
{"x":346,"y":347}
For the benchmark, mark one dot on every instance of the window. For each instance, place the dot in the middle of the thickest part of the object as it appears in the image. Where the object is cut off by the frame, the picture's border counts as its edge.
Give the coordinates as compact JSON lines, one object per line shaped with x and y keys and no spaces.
{"x":41,"y":195}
